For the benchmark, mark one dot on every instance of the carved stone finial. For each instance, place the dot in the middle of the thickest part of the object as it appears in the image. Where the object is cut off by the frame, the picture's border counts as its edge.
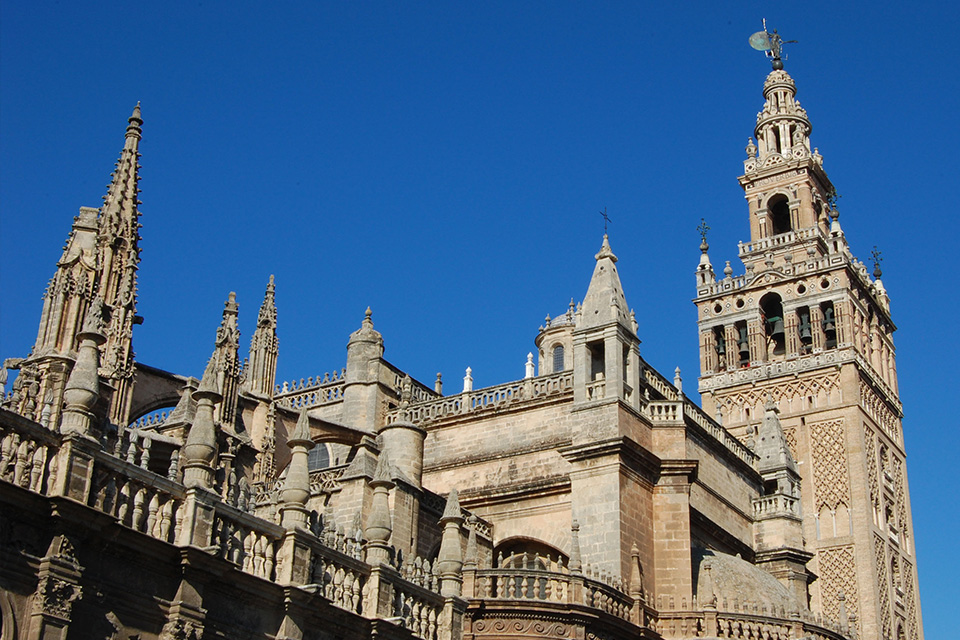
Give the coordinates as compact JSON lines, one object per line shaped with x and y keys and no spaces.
{"x":450,"y":558}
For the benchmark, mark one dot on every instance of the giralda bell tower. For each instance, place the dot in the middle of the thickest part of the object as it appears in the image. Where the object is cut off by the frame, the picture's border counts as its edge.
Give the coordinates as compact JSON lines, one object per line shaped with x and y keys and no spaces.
{"x":809,"y":326}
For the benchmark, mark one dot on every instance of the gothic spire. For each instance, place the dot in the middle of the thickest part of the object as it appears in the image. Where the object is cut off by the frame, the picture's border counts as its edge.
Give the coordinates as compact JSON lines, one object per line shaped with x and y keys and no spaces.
{"x":605,"y":302}
{"x":772,"y":445}
{"x":260,"y":375}
{"x":99,"y":260}
{"x":228,"y":359}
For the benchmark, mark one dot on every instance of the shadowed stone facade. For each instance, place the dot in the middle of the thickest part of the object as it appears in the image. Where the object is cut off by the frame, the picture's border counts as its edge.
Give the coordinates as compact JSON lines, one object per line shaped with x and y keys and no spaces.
{"x":591,"y":499}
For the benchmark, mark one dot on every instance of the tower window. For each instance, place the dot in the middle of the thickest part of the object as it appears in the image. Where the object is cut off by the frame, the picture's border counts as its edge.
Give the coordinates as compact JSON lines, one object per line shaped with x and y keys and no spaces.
{"x":779,"y":214}
{"x":558,"y":358}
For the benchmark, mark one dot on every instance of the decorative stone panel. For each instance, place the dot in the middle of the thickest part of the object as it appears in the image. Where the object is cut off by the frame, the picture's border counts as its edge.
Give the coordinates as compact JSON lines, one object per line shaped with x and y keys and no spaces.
{"x":838,"y":573}
{"x":829,"y":460}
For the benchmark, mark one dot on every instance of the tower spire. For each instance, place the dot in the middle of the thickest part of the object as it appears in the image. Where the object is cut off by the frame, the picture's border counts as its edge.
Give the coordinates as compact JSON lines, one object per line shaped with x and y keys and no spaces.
{"x":260,"y":375}
{"x":228,"y":360}
{"x":100,"y":259}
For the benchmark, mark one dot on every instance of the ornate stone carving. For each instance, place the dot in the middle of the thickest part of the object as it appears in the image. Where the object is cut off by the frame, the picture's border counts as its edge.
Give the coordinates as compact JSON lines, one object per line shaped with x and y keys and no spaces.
{"x":838,"y":574}
{"x":829,"y":460}
{"x":883,"y":585}
{"x":181,"y":629}
{"x":55,"y":596}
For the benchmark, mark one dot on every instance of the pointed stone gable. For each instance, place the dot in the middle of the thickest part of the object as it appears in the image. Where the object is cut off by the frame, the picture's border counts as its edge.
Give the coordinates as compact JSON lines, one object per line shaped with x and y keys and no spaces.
{"x":605,"y":303}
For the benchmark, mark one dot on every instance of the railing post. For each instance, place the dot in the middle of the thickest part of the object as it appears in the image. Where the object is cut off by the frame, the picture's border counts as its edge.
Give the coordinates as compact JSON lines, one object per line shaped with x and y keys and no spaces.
{"x":450,"y":622}
{"x":293,"y":559}
{"x":198,"y":517}
{"x":75,"y":464}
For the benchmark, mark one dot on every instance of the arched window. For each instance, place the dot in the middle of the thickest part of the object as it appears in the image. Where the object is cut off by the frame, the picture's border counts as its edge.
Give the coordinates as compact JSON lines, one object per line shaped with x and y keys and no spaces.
{"x":779,"y":214}
{"x":558,"y":358}
{"x":319,"y":457}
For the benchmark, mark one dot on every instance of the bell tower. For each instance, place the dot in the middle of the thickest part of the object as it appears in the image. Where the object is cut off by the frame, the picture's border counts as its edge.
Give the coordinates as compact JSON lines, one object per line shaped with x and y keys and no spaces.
{"x":806,"y":329}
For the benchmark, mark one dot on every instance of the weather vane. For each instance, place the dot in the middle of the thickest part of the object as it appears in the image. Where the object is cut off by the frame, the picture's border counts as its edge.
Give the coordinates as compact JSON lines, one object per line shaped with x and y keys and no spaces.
{"x":771,"y":44}
{"x":877,"y":259}
{"x":703,"y":228}
{"x":606,"y":220}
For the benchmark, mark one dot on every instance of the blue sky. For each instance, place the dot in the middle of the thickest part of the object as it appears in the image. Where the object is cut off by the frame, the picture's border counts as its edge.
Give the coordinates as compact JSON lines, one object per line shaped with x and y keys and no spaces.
{"x":445,"y":163}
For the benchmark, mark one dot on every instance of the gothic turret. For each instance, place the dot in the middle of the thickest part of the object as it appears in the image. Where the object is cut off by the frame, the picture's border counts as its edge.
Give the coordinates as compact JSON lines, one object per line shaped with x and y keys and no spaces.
{"x":605,"y":346}
{"x":261,"y":371}
{"x":361,"y":380}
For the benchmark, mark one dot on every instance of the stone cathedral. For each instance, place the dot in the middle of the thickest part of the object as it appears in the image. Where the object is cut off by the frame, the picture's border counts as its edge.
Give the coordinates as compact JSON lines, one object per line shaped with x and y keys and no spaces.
{"x":589,"y":500}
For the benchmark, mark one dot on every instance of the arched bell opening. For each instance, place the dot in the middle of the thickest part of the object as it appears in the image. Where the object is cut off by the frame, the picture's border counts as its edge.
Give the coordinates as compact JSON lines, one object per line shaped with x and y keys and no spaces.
{"x":779,"y":214}
{"x":804,"y":330}
{"x":771,"y":306}
{"x":829,"y":325}
{"x":720,"y":342}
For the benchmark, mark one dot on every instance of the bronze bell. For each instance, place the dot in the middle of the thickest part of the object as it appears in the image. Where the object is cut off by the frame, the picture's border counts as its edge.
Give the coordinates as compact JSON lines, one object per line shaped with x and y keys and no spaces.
{"x":776,"y":327}
{"x":721,"y":345}
{"x":743,"y":345}
{"x":829,"y":324}
{"x":806,"y":337}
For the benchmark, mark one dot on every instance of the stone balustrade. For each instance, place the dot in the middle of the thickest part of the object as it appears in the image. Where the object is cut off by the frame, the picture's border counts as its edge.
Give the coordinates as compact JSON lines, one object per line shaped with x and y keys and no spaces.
{"x":28,"y":455}
{"x":330,"y":393}
{"x":779,"y":240}
{"x":696,"y":414}
{"x":776,"y":504}
{"x":303,"y":384}
{"x":746,"y":625}
{"x":662,"y":412}
{"x":245,"y":540}
{"x":547,"y":581}
{"x":496,"y":398}
{"x":660,"y":384}
{"x":137,"y":498}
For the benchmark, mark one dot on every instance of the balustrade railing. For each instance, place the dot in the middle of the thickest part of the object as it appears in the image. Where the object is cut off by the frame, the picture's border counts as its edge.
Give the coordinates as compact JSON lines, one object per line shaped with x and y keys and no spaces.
{"x":739,"y":449}
{"x":550,"y":581}
{"x":246,"y":541}
{"x":28,"y":456}
{"x":340,"y":578}
{"x":776,"y":504}
{"x":136,"y":498}
{"x":747,"y":625}
{"x":419,"y":608}
{"x":489,"y":398}
{"x":329,"y":394}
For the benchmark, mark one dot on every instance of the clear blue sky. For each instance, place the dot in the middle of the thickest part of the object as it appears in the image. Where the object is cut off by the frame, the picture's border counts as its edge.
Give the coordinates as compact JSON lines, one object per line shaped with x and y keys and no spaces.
{"x":444,"y":163}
